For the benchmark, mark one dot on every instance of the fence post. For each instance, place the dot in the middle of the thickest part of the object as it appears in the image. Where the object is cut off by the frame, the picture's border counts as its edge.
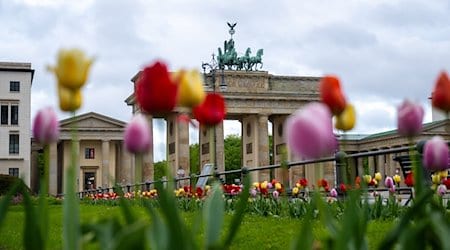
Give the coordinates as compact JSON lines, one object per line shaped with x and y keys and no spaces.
{"x":342,"y":174}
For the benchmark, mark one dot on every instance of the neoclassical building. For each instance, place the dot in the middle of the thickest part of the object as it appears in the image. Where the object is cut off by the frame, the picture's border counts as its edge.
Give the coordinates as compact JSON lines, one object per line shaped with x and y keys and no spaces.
{"x":102,"y":160}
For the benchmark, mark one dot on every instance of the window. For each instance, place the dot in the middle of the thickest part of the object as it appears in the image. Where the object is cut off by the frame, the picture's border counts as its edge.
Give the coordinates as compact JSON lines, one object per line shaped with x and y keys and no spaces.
{"x":14,"y":114}
{"x":14,"y":172}
{"x":13,"y":143}
{"x":14,"y":86}
{"x":89,"y":153}
{"x":4,"y":114}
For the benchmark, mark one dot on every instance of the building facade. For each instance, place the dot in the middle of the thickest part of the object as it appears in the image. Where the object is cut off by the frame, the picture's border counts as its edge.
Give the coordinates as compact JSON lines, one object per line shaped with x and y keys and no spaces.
{"x":102,"y":159}
{"x":15,"y":123}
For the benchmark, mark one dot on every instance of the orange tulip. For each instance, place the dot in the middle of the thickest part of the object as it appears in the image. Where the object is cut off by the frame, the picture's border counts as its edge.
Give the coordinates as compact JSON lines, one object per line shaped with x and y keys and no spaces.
{"x":331,"y":94}
{"x":441,"y":95}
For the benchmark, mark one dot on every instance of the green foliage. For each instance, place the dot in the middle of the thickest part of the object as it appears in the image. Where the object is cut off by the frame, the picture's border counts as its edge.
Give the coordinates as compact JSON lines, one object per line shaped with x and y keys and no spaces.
{"x":159,"y":169}
{"x":233,"y":155}
{"x":6,"y":183}
{"x":194,"y":158}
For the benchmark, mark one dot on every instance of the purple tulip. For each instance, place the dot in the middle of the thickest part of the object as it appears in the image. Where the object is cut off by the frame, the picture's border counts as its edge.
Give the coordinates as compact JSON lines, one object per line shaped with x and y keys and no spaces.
{"x":333,"y":193}
{"x":46,"y":126}
{"x":435,"y":154}
{"x":388,"y":182}
{"x":138,"y":135}
{"x":253,"y":192}
{"x":309,"y":132}
{"x":441,"y":190}
{"x":392,"y":189}
{"x":269,"y":185}
{"x":409,"y":119}
{"x":275,"y":194}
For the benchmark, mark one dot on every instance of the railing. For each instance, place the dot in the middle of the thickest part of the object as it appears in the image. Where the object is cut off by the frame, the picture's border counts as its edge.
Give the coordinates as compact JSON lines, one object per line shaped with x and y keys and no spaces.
{"x":339,"y":159}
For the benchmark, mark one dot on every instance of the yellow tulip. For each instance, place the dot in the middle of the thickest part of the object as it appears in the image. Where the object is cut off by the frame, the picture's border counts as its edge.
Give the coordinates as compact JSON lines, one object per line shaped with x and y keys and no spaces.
{"x":69,"y":100}
{"x":191,"y":92}
{"x":397,"y":178}
{"x":367,"y":178}
{"x":72,"y":69}
{"x":443,"y":174}
{"x":277,"y":186}
{"x":295,"y":190}
{"x":436,"y":178}
{"x":264,"y":185}
{"x":346,"y":120}
{"x":378,"y":176}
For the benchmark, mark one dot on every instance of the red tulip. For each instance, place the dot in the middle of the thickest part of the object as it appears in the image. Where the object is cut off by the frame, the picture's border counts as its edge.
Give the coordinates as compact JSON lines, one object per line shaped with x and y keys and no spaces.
{"x":212,"y":111}
{"x":156,"y":93}
{"x":441,"y":95}
{"x":331,"y":94}
{"x":409,"y":180}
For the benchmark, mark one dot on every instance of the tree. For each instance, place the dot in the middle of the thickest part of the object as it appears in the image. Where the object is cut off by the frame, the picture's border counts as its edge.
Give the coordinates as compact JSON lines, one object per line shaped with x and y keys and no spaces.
{"x":233,"y":156}
{"x":194,"y":158}
{"x":159,"y":168}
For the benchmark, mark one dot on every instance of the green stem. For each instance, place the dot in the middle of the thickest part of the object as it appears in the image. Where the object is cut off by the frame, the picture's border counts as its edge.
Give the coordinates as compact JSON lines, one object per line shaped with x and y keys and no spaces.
{"x":71,"y":227}
{"x":138,"y":170}
{"x":43,"y":193}
{"x":419,"y":183}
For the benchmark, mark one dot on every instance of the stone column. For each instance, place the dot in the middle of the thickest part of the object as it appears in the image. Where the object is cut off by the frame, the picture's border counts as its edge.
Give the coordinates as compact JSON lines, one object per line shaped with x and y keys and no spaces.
{"x":53,"y":169}
{"x":263,"y":146}
{"x":279,"y":149}
{"x":212,"y":146}
{"x":126,"y":170}
{"x":147,"y":159}
{"x":105,"y":164}
{"x":177,"y":144}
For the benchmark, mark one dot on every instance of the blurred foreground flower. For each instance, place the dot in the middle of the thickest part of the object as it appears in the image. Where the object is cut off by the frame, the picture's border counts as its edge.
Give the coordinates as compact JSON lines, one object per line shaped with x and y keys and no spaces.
{"x":435,"y":154}
{"x":346,"y":120}
{"x":309,"y":132}
{"x":137,"y":136}
{"x":71,"y":72}
{"x":331,"y":94}
{"x":409,"y":119}
{"x":156,"y":93}
{"x":46,"y":126}
{"x":212,"y":111}
{"x":441,"y":94}
{"x":191,"y":91}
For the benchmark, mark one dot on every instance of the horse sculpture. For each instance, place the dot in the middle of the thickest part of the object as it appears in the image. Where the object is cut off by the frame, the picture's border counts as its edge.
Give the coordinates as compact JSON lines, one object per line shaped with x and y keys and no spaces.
{"x":255,"y":60}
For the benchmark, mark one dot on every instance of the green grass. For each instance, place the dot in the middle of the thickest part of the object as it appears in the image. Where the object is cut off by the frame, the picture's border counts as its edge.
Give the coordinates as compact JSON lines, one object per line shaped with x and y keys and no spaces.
{"x":256,"y":232}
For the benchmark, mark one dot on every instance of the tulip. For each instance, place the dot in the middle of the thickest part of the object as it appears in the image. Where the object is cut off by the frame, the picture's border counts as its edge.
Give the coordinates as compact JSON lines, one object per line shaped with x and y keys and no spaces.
{"x":343,"y":187}
{"x":156,"y":93}
{"x":331,"y":94}
{"x":275,"y":194}
{"x":443,"y":174}
{"x":269,"y":185}
{"x":264,"y":185}
{"x":389,"y":182}
{"x":191,"y":91}
{"x":397,"y":178}
{"x":367,"y":178}
{"x":278,"y":186}
{"x":72,"y":69}
{"x":346,"y":120}
{"x":137,"y":136}
{"x":441,"y":94}
{"x":253,"y":192}
{"x":333,"y":193}
{"x":309,"y":132}
{"x":378,"y":176}
{"x":409,"y":119}
{"x":69,"y":100}
{"x":295,"y":191}
{"x":212,"y":111}
{"x":392,"y":189}
{"x":441,"y":190}
{"x":46,"y":126}
{"x":409,"y":180}
{"x":435,"y":179}
{"x":435,"y":154}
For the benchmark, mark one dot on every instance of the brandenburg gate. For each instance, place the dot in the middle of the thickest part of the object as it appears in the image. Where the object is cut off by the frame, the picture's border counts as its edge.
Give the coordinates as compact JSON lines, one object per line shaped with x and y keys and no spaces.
{"x":254,"y":98}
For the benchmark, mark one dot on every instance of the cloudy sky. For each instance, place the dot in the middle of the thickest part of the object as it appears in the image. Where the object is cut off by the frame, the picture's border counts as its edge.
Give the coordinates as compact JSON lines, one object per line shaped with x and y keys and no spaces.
{"x":383,"y":51}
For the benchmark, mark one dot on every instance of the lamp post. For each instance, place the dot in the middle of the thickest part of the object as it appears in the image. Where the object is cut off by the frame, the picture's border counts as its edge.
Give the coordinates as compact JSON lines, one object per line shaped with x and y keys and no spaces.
{"x":213,"y":68}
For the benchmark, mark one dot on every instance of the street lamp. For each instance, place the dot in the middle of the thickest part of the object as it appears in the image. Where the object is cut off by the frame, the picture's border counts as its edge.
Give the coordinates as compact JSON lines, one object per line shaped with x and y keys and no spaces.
{"x":213,"y":68}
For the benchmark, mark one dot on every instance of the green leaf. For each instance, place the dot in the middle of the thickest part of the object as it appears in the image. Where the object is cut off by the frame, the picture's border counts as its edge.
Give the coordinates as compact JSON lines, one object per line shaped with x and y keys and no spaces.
{"x":239,"y":213}
{"x":131,"y":237}
{"x":305,"y":238}
{"x":158,"y":230}
{"x":32,"y":233}
{"x":5,"y":201}
{"x":71,"y":222}
{"x":213,"y":213}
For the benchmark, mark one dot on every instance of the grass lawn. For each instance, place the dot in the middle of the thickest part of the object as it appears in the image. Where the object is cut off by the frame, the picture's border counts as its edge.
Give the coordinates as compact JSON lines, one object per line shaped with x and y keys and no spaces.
{"x":256,"y":232}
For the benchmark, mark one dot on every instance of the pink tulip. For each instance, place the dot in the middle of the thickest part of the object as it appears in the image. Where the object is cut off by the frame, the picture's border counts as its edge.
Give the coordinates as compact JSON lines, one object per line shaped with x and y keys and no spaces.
{"x":389,"y":182}
{"x":269,"y":185}
{"x":441,"y":190}
{"x":253,"y":192}
{"x":46,"y":126}
{"x":435,"y":154}
{"x":309,"y":131}
{"x":409,"y":119}
{"x":275,"y":194}
{"x":333,"y":193}
{"x":138,"y":135}
{"x":392,"y":189}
